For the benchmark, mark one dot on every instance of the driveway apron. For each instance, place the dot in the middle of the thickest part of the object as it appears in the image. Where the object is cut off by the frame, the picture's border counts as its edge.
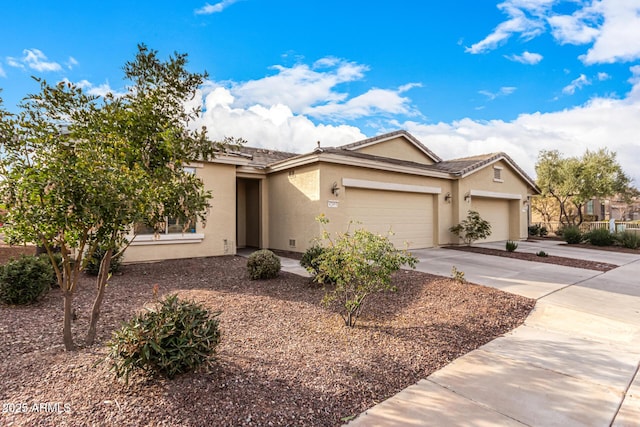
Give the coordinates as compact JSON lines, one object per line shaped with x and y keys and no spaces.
{"x":574,"y":362}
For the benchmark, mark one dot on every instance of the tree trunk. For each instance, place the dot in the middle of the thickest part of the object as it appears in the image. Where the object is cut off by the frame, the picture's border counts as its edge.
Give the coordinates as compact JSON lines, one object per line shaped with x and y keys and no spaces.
{"x":101,"y":283}
{"x":66,"y":329}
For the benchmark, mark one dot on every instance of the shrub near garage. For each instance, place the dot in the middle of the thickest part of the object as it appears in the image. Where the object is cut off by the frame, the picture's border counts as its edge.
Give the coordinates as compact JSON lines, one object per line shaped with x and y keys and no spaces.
{"x":361,"y":264}
{"x":263,"y":264}
{"x":572,"y":235}
{"x":178,"y":337}
{"x":24,"y":279}
{"x":600,"y":237}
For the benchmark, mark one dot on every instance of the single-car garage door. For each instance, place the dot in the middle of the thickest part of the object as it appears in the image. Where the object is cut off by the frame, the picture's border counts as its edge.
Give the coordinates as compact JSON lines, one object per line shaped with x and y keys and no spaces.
{"x":408,"y":215}
{"x":496,"y":211}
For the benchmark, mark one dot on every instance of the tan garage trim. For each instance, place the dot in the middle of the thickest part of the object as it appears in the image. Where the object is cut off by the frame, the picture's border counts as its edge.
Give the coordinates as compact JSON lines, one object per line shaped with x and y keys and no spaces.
{"x":389,"y":186}
{"x":495,"y":195}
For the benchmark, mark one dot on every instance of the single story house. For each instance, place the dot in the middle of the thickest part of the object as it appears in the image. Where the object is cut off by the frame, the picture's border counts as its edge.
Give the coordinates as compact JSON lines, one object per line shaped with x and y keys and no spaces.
{"x":392,"y":182}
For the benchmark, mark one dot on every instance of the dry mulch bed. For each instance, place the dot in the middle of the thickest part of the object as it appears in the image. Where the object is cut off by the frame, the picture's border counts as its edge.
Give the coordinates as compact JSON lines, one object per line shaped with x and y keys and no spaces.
{"x":284,"y":359}
{"x":558,"y":260}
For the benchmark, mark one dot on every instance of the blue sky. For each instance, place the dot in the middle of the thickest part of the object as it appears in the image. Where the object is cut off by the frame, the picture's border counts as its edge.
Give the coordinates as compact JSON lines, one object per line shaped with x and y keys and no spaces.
{"x":464,"y":77}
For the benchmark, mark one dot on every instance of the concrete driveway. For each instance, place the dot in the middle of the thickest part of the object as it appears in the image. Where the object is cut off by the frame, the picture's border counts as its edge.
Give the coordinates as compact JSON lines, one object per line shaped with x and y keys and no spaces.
{"x":573,"y":363}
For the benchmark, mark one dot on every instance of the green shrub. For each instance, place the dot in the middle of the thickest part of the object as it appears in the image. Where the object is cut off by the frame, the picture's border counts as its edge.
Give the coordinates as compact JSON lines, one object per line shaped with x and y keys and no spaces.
{"x":572,"y":235}
{"x":24,"y":279}
{"x":263,"y":264}
{"x":311,"y":259}
{"x":629,"y":239}
{"x":361,"y":262}
{"x":543,"y":231}
{"x":600,"y":237}
{"x":472,"y":228}
{"x":178,"y":337}
{"x":311,"y":262}
{"x":534,"y":230}
{"x":511,"y":246}
{"x":93,"y":263}
{"x":542,"y":254}
{"x":457,"y":275}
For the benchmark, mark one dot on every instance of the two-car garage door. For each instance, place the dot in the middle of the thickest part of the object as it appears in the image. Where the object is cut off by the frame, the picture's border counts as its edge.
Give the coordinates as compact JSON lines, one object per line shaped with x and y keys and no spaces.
{"x":408,"y":215}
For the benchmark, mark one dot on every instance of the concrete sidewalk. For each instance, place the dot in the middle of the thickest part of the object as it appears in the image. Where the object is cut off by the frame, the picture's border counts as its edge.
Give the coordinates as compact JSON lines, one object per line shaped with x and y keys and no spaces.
{"x":573,"y":363}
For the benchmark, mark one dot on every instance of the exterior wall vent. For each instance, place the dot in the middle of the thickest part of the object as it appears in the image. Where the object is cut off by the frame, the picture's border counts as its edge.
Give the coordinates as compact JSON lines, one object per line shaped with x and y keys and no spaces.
{"x":292,"y":243}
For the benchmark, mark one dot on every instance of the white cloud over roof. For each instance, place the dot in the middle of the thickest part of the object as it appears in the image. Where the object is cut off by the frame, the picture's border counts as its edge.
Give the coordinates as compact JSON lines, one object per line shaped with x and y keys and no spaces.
{"x":208,"y":9}
{"x":526,"y":58}
{"x":611,"y":26}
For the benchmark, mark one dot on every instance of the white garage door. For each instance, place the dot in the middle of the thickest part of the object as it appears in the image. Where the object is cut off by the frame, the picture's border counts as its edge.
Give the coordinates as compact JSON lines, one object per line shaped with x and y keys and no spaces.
{"x":408,"y":215}
{"x":496,"y":211}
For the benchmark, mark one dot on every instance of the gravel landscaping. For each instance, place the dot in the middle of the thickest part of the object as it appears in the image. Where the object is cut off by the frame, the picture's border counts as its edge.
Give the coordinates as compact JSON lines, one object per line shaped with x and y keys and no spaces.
{"x":550,"y":259}
{"x":284,"y":359}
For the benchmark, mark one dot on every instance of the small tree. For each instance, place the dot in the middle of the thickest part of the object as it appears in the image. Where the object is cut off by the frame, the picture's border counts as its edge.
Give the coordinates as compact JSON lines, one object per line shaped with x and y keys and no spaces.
{"x":77,"y":171}
{"x":472,"y":228}
{"x":360,"y":264}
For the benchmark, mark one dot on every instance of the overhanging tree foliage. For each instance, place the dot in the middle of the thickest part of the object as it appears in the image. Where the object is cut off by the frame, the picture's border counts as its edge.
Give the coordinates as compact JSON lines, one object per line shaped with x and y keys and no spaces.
{"x":573,"y":181}
{"x":78,"y":171}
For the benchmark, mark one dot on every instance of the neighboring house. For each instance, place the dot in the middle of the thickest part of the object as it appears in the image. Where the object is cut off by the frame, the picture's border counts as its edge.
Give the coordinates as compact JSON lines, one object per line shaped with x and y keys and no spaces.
{"x":392,"y":182}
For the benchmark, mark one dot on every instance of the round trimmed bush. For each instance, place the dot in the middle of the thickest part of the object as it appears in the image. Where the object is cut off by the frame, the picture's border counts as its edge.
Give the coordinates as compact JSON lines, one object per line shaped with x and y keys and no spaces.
{"x":263,"y":264}
{"x":600,"y":237}
{"x":24,"y":279}
{"x":572,"y":235}
{"x":178,"y":337}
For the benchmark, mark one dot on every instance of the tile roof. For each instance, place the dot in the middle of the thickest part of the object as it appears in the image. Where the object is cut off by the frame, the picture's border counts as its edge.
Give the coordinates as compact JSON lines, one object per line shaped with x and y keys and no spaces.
{"x":262,"y":157}
{"x":390,"y":135}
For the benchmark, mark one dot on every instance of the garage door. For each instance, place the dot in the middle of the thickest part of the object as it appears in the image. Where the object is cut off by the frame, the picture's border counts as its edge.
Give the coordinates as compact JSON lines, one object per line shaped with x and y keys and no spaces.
{"x":408,"y":215}
{"x":496,"y":211}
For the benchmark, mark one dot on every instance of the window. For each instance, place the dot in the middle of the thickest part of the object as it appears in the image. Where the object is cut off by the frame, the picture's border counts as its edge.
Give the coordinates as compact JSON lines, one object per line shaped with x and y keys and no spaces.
{"x":170,"y":226}
{"x":497,"y":174}
{"x":589,"y":207}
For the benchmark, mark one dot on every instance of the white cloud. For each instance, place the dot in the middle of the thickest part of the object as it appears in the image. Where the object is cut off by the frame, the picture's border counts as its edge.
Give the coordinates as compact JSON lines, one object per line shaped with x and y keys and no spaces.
{"x":603,"y":76}
{"x":273,"y":126}
{"x":300,"y":86}
{"x":99,"y":90}
{"x":504,"y":91}
{"x":14,"y":62}
{"x":2,"y":72}
{"x":208,"y":9}
{"x":576,"y":84}
{"x":619,"y":38}
{"x":72,"y":62}
{"x":517,"y":23}
{"x":602,"y":122}
{"x":526,"y":58}
{"x":36,"y":60}
{"x":276,"y":111}
{"x":579,"y":28}
{"x":611,"y":26}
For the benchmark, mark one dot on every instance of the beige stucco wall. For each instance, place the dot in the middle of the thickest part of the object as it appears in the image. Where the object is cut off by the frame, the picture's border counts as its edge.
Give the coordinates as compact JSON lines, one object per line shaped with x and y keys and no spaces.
{"x":294,"y":200}
{"x":397,"y":148}
{"x":511,"y":184}
{"x":220,"y":231}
